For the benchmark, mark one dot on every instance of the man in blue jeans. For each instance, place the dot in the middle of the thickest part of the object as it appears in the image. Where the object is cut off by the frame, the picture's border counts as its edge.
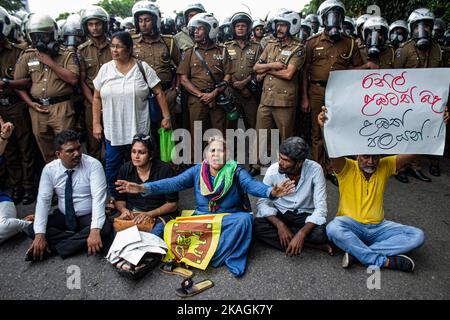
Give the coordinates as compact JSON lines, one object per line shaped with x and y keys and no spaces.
{"x":360,"y":228}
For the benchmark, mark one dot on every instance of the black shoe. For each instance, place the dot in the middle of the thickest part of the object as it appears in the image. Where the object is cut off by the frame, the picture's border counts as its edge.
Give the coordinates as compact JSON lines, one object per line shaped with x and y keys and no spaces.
{"x":401,"y":262}
{"x":348,"y":260}
{"x":435,"y":170}
{"x":254,"y":171}
{"x":29,"y":197}
{"x":333,"y":179}
{"x":17,"y":195}
{"x":418,"y":175}
{"x":401,"y":176}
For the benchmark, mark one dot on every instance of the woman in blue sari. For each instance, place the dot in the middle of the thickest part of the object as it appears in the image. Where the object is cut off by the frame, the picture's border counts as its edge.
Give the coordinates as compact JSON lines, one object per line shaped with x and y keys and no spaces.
{"x":216,"y":191}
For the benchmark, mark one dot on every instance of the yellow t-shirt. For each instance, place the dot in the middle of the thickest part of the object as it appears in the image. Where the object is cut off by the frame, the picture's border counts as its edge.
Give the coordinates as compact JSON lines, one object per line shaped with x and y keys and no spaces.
{"x":362,"y":199}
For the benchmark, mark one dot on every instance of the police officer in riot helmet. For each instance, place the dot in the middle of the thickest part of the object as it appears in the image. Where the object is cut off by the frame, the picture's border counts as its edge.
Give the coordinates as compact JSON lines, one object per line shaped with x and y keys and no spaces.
{"x":225,"y":31}
{"x":73,"y":34}
{"x":305,"y":31}
{"x":398,"y":33}
{"x":331,"y":15}
{"x":313,"y":20}
{"x":375,"y":33}
{"x":439,"y":30}
{"x":258,"y":30}
{"x":421,"y":23}
{"x":360,"y":24}
{"x":168,"y":26}
{"x":348,"y":26}
{"x":179,"y":23}
{"x":42,"y":34}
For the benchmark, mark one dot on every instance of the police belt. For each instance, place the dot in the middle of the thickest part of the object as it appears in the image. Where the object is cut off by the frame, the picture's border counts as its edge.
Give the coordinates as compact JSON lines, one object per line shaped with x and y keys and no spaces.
{"x":50,"y":101}
{"x":319,"y":83}
{"x":9,"y":101}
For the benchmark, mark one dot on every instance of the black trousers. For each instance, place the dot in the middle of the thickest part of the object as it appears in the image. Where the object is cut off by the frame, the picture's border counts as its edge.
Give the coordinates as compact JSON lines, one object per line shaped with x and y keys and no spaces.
{"x":67,"y":243}
{"x":268,"y":233}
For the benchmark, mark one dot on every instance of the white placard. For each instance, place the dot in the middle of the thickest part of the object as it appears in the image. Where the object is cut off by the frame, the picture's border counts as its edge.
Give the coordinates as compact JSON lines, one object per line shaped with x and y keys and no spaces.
{"x":389,"y":111}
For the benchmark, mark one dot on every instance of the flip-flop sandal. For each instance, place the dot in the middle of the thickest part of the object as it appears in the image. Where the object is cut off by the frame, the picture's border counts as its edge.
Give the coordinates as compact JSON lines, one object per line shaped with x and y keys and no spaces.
{"x":171,"y":268}
{"x":189,"y":289}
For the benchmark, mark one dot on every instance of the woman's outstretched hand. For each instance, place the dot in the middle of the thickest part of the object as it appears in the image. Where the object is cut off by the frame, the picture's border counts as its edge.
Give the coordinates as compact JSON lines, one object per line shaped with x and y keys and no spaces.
{"x":124,"y":186}
{"x":284,"y":188}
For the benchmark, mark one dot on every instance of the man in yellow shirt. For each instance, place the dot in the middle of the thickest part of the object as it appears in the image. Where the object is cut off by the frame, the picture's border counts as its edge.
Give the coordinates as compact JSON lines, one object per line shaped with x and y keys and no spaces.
{"x":359,"y":227}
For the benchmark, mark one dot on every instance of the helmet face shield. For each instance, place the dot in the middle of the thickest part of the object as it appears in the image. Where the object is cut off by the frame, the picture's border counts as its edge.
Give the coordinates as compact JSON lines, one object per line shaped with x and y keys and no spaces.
{"x":305,"y":32}
{"x":44,"y":42}
{"x":398,"y":36}
{"x":333,"y":19}
{"x":374,"y":41}
{"x":43,"y":37}
{"x":421,"y":33}
{"x":333,"y":24}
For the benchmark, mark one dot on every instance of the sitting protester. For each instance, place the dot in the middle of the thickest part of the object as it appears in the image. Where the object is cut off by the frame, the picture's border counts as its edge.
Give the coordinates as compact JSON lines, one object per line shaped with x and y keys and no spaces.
{"x":79,"y":223}
{"x":360,"y":228}
{"x":220,"y":230}
{"x":297,"y":219}
{"x":143,"y":168}
{"x":9,"y":224}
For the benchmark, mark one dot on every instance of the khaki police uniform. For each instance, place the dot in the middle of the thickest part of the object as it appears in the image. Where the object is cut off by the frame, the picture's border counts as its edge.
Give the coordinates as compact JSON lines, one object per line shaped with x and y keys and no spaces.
{"x":218,"y":61}
{"x":19,"y":152}
{"x":384,"y":61}
{"x":323,"y":56}
{"x":92,"y":58}
{"x":183,"y":39}
{"x":408,"y":56}
{"x":52,"y":92}
{"x":162,"y":54}
{"x":279,"y":99}
{"x":266,"y":39}
{"x":242,"y":62}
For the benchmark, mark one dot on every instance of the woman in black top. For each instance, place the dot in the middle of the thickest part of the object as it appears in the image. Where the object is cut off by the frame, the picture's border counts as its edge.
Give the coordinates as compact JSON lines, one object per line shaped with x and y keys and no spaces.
{"x":142,"y":168}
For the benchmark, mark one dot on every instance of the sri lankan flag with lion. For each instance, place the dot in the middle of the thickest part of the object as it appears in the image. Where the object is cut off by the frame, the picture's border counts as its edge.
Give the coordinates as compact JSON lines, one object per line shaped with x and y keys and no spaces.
{"x":193,"y":240}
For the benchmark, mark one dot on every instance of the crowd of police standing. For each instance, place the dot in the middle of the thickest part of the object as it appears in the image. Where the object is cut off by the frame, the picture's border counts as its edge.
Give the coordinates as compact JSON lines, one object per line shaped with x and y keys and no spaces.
{"x":270,"y":73}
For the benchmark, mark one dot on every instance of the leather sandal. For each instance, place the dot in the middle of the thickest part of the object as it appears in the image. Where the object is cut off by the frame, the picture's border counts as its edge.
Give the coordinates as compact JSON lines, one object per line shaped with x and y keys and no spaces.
{"x":171,"y":268}
{"x":189,"y":289}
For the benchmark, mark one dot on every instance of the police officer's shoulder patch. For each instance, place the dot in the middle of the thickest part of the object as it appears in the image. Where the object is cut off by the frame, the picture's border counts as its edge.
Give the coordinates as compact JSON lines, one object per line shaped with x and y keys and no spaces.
{"x":314,"y":36}
{"x":84,"y":45}
{"x":406,"y":43}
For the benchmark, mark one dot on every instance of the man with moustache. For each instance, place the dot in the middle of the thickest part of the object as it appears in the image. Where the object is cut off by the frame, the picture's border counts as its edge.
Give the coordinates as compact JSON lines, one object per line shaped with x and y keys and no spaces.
{"x":297,"y":220}
{"x":79,"y":223}
{"x":279,"y":65}
{"x":360,"y":228}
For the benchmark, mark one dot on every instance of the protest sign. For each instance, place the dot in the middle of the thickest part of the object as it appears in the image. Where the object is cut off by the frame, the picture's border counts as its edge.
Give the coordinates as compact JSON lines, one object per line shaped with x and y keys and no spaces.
{"x":391,"y":111}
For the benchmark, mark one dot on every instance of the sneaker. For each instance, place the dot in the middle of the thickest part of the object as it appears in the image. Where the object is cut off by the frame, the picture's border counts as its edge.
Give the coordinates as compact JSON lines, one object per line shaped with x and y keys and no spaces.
{"x":348,"y":260}
{"x":401,"y":262}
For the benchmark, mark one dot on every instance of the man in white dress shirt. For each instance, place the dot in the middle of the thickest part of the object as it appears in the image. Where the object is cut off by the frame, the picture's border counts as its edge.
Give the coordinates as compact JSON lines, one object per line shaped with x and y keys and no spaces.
{"x":79,"y":223}
{"x":291,"y":222}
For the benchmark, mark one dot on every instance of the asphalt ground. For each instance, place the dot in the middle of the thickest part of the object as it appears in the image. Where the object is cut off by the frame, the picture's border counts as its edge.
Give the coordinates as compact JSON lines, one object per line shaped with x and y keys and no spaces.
{"x":270,"y":275}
